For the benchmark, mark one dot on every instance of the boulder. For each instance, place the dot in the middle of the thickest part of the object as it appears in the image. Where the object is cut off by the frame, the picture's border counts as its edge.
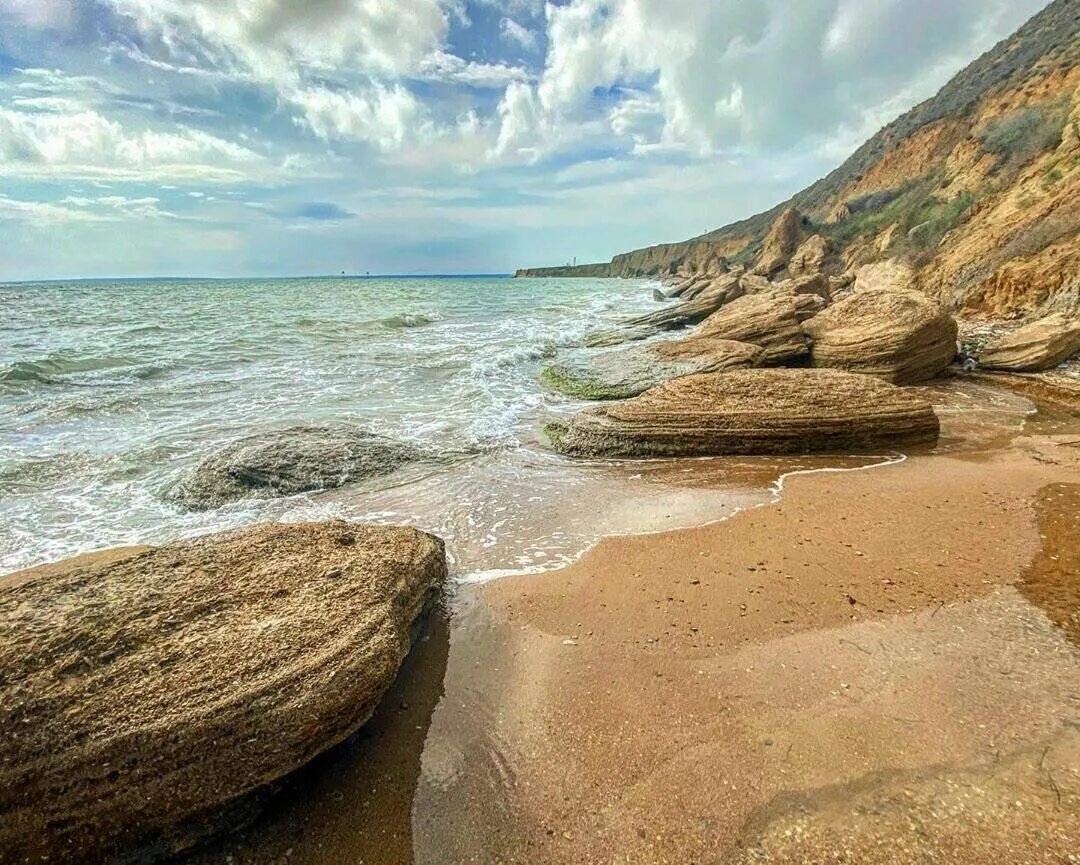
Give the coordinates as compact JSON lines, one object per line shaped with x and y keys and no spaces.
{"x":784,"y":237}
{"x":816,"y":283}
{"x":618,"y":336}
{"x":770,"y":320}
{"x":892,"y":273}
{"x":811,"y":257}
{"x":900,"y":336}
{"x":146,"y":690}
{"x":289,"y":461}
{"x":630,"y":371}
{"x":1036,"y":346}
{"x":757,"y":411}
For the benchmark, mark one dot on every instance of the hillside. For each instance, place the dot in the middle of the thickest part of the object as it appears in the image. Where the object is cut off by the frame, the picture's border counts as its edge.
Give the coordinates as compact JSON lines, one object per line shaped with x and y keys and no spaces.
{"x":977,"y":189}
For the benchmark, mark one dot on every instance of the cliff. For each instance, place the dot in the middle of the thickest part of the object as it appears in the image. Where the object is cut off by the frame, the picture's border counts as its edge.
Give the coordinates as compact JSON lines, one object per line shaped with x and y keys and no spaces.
{"x":977,"y":189}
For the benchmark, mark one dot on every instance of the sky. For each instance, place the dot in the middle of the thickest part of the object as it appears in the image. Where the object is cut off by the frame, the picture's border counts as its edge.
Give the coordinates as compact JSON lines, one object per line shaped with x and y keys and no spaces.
{"x":292,"y":137}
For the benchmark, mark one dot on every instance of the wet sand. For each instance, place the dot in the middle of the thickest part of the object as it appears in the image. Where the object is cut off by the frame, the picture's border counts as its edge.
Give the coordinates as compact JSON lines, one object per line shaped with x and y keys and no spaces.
{"x":880,"y":667}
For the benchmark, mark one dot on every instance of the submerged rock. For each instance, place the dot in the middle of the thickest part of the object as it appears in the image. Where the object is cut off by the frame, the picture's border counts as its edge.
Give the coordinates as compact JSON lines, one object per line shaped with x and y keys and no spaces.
{"x":758,"y":411}
{"x":1036,"y":346}
{"x":143,"y":690}
{"x":900,"y":336}
{"x":289,"y":461}
{"x":771,"y":320}
{"x":630,"y":371}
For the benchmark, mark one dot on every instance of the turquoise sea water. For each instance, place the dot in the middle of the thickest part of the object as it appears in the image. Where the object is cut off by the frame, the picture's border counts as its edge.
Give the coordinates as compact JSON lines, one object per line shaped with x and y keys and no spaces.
{"x":111,"y":391}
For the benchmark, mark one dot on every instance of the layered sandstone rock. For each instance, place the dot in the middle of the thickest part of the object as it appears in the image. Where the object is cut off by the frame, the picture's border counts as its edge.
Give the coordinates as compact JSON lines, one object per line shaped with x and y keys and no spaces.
{"x":771,"y":320}
{"x":712,"y":297}
{"x":141,"y":690}
{"x":628,"y":372}
{"x":1039,"y":345}
{"x":289,"y":461}
{"x":812,"y":257}
{"x":899,"y":336}
{"x":784,"y":237}
{"x":752,"y":412}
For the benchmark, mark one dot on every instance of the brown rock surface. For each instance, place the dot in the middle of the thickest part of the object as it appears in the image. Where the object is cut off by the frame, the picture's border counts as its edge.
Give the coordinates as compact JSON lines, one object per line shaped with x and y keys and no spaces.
{"x":900,"y":336}
{"x":1036,"y":346}
{"x":771,"y":320}
{"x":811,"y":257}
{"x":143,"y":690}
{"x":752,"y":412}
{"x":705,"y":302}
{"x":784,"y":237}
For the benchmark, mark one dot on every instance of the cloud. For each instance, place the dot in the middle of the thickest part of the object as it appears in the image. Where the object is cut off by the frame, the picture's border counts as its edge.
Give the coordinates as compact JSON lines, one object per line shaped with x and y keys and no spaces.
{"x":86,"y":144}
{"x":753,"y":73}
{"x":323,"y":211}
{"x":515,"y":33}
{"x":39,"y":14}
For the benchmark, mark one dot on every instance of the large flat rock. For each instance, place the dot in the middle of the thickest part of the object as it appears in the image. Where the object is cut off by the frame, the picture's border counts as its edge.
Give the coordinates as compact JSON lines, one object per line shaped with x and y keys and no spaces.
{"x":1039,"y":345}
{"x":898,"y":335}
{"x":288,"y":461}
{"x":630,"y":371}
{"x":143,"y":689}
{"x":758,"y":411}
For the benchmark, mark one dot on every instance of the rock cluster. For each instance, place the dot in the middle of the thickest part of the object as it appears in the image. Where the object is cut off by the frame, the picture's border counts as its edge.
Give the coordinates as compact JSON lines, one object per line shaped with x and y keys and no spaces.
{"x":758,"y":411}
{"x":630,"y":371}
{"x":900,"y":336}
{"x":772,"y":321}
{"x":1036,"y":346}
{"x":289,"y":461}
{"x":141,"y":690}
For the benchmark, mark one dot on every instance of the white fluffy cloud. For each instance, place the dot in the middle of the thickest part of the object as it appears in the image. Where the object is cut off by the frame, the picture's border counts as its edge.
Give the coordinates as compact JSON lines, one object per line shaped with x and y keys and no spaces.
{"x":737,"y":73}
{"x":86,"y":144}
{"x":514,"y":32}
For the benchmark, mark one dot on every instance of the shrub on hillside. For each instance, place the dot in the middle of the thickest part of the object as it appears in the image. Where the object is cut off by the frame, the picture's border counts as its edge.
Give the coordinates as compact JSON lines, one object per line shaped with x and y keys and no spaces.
{"x":1022,"y":134}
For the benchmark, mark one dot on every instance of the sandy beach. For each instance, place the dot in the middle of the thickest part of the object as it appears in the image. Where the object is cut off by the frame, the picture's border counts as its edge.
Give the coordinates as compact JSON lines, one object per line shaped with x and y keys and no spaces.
{"x":879,"y":667}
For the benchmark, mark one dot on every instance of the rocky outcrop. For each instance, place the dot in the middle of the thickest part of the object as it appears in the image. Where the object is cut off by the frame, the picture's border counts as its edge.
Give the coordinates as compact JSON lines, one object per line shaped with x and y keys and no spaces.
{"x":814,"y":256}
{"x":783,"y":239}
{"x":889,"y":274}
{"x":630,"y":371}
{"x":1034,"y":347}
{"x":899,"y":336}
{"x":752,"y":412}
{"x":289,"y":461}
{"x":770,"y":320}
{"x":143,"y":691}
{"x":718,"y":292}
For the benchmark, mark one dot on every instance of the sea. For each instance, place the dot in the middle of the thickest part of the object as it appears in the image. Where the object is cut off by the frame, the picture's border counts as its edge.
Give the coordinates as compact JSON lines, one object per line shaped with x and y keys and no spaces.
{"x":111,"y":392}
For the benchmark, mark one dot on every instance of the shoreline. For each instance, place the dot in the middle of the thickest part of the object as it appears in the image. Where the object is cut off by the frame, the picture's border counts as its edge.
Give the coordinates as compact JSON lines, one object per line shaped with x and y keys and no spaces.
{"x":694,"y":694}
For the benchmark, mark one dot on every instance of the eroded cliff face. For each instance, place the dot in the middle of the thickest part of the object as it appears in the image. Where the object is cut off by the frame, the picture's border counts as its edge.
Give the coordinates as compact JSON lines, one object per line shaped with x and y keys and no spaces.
{"x":977,"y":189}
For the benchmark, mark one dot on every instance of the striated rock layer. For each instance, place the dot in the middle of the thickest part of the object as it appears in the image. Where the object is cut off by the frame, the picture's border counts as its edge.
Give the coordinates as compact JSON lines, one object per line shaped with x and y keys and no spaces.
{"x":771,"y":320}
{"x":140,"y":690}
{"x":1036,"y":346}
{"x":767,"y":411}
{"x":289,"y":461}
{"x":630,"y":371}
{"x":900,"y":336}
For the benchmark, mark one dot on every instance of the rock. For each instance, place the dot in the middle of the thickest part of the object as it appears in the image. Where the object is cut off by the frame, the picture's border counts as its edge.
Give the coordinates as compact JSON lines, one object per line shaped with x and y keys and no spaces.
{"x":811,"y":257}
{"x":900,"y":336}
{"x":622,"y":335}
{"x":817,"y":284}
{"x":769,"y":320}
{"x":1036,"y":346}
{"x":658,"y":295}
{"x":718,"y":292}
{"x":893,"y":273}
{"x":753,"y":283}
{"x":146,"y":690}
{"x":630,"y":371}
{"x":289,"y":461}
{"x":766,"y":411}
{"x":784,"y":237}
